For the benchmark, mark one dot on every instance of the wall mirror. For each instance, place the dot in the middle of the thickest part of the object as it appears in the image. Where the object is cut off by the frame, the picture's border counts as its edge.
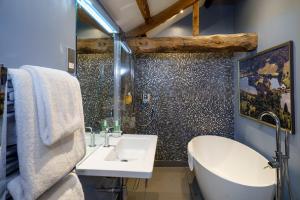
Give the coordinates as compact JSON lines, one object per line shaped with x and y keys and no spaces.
{"x":104,"y":69}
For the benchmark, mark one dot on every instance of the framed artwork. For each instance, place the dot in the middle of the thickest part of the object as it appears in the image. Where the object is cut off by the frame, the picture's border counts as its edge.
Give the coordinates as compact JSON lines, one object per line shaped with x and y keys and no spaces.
{"x":266,"y":84}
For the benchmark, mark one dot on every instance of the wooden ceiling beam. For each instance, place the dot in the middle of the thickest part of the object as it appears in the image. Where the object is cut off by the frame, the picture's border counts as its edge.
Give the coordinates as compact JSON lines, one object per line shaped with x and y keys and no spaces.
{"x":161,"y":17}
{"x":196,"y":17}
{"x":241,"y":42}
{"x":94,"y":46}
{"x":144,"y":9}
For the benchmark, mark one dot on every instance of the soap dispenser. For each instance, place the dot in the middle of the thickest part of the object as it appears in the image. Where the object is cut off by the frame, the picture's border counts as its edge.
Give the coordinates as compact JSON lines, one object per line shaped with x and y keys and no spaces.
{"x":128,"y":99}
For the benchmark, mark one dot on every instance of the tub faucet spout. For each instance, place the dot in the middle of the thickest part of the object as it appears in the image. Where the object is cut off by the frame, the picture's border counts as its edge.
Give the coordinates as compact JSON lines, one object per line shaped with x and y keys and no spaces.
{"x":273,"y":164}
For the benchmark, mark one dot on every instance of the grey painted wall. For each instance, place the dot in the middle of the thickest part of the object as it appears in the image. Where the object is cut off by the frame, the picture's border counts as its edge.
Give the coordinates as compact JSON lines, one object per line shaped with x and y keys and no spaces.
{"x":276,"y":22}
{"x":216,"y":19}
{"x":37,"y":32}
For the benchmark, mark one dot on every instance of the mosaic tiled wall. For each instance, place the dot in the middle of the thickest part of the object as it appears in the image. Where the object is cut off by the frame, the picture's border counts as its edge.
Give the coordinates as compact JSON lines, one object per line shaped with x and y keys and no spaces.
{"x":192,"y":94}
{"x":95,"y":74}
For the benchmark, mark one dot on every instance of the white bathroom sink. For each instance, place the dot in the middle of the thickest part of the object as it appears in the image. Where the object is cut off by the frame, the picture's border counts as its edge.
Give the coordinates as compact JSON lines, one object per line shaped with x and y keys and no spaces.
{"x":129,"y":149}
{"x":99,"y":140}
{"x":130,"y":156}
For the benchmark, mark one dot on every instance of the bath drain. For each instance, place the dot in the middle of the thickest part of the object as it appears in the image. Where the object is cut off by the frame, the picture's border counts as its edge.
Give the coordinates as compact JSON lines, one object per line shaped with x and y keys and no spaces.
{"x":124,"y":160}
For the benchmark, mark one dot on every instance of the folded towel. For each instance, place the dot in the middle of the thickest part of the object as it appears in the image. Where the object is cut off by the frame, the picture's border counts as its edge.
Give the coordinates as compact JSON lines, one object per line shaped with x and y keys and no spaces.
{"x":67,"y":188}
{"x":15,"y":189}
{"x":41,"y":166}
{"x":59,"y":103}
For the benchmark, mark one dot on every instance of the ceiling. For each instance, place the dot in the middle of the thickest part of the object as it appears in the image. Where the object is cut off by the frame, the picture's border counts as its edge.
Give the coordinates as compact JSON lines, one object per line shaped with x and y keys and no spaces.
{"x":127,"y":15}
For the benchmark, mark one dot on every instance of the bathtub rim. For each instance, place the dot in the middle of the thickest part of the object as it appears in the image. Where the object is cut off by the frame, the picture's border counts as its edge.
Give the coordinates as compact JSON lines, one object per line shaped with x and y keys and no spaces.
{"x":225,"y":178}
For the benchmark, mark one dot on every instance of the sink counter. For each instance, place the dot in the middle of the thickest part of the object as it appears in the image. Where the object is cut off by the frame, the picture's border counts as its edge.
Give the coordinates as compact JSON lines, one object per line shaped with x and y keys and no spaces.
{"x":129,"y":156}
{"x":99,"y":141}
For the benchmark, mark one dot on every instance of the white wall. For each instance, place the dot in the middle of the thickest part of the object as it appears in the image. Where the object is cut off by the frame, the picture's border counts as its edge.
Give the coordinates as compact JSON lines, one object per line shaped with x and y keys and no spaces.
{"x":276,"y":21}
{"x":37,"y":32}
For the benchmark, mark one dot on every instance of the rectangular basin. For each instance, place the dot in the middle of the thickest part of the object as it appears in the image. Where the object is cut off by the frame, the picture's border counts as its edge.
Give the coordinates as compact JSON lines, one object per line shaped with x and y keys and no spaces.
{"x":128,"y":150}
{"x":129,"y":156}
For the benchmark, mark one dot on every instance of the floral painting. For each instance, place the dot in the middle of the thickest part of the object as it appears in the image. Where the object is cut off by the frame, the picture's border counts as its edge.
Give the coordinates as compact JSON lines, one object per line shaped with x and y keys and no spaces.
{"x":266,"y":84}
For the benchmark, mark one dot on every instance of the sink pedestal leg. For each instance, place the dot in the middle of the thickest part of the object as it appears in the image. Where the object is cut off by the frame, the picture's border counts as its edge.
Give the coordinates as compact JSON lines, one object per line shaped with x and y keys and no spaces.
{"x":122,"y":193}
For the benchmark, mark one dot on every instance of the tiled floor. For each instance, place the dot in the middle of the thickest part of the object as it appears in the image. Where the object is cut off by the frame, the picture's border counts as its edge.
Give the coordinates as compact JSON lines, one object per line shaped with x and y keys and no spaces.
{"x":167,"y":183}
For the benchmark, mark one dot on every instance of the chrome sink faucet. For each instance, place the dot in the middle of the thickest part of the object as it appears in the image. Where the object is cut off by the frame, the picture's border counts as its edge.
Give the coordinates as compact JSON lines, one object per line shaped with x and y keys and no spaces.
{"x":92,"y":135}
{"x":277,"y":162}
{"x":108,"y":133}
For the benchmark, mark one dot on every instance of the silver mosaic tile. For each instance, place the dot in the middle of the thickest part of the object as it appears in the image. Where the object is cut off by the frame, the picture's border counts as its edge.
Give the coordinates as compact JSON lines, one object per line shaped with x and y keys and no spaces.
{"x":95,"y":74}
{"x":192,"y":95}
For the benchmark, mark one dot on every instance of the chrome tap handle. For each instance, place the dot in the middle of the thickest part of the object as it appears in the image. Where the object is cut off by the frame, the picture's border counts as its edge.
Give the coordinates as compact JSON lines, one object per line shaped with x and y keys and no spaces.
{"x":90,"y":129}
{"x":109,"y":129}
{"x":106,"y":137}
{"x":92,"y":140}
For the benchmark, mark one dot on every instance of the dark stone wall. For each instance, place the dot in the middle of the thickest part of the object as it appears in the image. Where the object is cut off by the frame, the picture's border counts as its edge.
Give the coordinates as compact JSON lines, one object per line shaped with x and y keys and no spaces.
{"x":192,"y":94}
{"x":95,"y":74}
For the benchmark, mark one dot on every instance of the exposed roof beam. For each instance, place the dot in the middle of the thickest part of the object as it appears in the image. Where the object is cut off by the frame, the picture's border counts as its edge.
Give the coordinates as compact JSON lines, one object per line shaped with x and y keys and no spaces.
{"x":144,"y":9}
{"x":196,"y":16}
{"x":91,"y":46}
{"x":161,"y":17}
{"x":211,"y":43}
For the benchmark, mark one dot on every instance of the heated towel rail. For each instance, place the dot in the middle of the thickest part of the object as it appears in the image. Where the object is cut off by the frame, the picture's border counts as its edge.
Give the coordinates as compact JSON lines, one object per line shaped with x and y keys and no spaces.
{"x":8,"y":145}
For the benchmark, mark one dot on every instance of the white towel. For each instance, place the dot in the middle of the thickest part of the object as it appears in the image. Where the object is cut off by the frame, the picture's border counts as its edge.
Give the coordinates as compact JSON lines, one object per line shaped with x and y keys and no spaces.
{"x":67,"y":188}
{"x":41,"y":166}
{"x":59,"y":103}
{"x":190,"y":161}
{"x":190,"y":157}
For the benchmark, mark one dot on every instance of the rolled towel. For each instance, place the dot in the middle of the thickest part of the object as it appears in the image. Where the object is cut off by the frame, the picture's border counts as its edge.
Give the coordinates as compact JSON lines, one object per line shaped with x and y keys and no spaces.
{"x":40,"y":166}
{"x":59,"y":103}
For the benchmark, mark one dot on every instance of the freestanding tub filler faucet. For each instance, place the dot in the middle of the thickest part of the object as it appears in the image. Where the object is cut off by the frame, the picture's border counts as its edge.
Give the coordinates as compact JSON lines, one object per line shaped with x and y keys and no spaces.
{"x":277,"y":162}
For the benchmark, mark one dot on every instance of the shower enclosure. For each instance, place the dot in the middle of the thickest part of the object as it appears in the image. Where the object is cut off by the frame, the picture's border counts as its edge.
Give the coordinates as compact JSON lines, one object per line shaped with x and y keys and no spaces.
{"x":106,"y":75}
{"x":123,"y":85}
{"x":107,"y":84}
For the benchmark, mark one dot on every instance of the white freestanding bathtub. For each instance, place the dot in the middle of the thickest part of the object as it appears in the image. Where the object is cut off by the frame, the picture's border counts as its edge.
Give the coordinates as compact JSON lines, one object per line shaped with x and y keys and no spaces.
{"x":228,"y":170}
